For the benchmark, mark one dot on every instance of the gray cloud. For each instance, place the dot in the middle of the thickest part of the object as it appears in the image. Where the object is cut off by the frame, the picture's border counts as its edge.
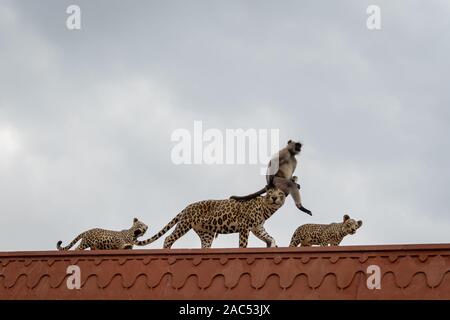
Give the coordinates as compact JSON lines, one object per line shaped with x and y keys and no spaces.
{"x":86,"y":116}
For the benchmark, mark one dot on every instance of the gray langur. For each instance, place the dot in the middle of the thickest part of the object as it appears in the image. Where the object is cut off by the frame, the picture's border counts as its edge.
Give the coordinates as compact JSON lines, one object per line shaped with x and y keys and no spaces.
{"x":280,"y":175}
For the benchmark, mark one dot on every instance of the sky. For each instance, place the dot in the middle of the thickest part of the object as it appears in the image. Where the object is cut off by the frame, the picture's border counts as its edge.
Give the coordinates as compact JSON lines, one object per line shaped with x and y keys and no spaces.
{"x":86,"y":116}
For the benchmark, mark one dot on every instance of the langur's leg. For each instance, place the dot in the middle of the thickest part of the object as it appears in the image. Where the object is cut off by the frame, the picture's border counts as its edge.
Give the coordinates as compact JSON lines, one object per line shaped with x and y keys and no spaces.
{"x":290,"y":187}
{"x":295,"y":179}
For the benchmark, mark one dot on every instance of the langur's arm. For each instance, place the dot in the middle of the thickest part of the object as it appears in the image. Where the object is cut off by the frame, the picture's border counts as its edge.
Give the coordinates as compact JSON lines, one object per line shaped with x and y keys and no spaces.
{"x":275,"y":163}
{"x":282,"y":156}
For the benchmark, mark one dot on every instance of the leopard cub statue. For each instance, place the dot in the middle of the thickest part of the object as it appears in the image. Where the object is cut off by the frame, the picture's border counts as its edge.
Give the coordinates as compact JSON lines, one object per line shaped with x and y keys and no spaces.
{"x":324,"y":234}
{"x":101,"y":239}
{"x":212,"y":217}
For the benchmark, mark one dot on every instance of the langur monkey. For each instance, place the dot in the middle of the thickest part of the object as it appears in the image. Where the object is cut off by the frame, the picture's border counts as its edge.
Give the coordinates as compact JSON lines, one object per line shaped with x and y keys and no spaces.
{"x":279,"y":175}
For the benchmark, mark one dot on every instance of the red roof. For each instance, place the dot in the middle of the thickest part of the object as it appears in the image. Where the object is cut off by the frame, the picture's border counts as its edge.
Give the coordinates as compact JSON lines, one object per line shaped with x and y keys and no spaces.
{"x":406,"y":272}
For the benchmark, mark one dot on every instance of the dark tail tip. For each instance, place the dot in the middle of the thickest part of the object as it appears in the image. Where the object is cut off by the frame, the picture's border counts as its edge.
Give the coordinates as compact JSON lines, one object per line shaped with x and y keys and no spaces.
{"x":302,"y":208}
{"x":239,"y":199}
{"x":58,"y":245}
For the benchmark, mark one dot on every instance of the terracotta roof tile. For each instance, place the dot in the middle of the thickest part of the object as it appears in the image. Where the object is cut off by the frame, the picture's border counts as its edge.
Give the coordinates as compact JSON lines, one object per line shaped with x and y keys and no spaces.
{"x":407,"y":272}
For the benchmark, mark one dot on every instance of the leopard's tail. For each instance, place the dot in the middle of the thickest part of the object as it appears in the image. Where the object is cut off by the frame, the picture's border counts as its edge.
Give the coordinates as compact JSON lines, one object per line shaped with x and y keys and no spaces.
{"x":58,"y":245}
{"x":250,"y":196}
{"x":169,"y":226}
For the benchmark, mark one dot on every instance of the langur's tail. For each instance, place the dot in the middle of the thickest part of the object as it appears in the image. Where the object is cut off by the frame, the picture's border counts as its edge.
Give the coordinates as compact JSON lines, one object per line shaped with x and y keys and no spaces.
{"x":250,"y":196}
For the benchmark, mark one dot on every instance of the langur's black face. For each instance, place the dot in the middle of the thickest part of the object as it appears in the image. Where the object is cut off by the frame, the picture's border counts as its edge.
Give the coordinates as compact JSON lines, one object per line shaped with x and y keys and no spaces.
{"x":294,"y":146}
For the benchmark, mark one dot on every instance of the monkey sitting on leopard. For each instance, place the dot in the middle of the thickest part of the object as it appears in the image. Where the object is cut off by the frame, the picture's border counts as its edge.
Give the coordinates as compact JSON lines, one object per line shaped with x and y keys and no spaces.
{"x":280,"y":175}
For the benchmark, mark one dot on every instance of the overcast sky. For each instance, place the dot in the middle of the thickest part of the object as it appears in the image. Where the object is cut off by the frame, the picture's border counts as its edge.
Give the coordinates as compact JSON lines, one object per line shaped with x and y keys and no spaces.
{"x":86,"y":116}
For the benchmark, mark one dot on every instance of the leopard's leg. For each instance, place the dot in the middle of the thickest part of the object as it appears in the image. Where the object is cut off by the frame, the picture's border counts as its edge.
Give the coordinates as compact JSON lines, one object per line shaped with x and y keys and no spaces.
{"x":335,"y":243}
{"x":121,"y":244}
{"x":206,"y":238}
{"x":100,"y":244}
{"x":83,"y":245}
{"x":180,"y":230}
{"x":306,"y":242}
{"x":262,"y":234}
{"x":295,"y":241}
{"x":243,"y":238}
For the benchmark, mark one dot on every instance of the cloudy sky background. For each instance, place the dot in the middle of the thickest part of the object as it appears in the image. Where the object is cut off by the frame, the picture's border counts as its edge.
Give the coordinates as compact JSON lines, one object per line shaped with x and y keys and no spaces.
{"x":86,"y":116}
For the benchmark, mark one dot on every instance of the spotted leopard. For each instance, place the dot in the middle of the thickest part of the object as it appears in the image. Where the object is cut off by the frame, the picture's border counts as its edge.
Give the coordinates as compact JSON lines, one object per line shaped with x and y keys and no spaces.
{"x":212,"y":217}
{"x":102,"y":239}
{"x":324,"y":234}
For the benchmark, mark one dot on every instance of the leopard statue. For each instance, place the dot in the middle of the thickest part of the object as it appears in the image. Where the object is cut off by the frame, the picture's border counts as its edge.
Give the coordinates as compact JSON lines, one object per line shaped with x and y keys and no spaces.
{"x":212,"y":217}
{"x":324,"y":234}
{"x":101,"y":239}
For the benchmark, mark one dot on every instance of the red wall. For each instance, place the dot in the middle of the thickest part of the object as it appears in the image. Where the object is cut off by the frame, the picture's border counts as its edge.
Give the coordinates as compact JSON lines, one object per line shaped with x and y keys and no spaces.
{"x":406,"y":272}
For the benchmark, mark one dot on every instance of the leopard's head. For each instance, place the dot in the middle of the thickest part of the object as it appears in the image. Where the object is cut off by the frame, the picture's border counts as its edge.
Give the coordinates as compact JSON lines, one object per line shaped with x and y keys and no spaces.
{"x":350,"y":225}
{"x":139,"y":228}
{"x":275,"y":197}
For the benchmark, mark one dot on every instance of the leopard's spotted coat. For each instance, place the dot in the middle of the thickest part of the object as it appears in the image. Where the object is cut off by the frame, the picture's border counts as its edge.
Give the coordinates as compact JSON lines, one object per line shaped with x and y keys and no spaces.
{"x":212,"y":217}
